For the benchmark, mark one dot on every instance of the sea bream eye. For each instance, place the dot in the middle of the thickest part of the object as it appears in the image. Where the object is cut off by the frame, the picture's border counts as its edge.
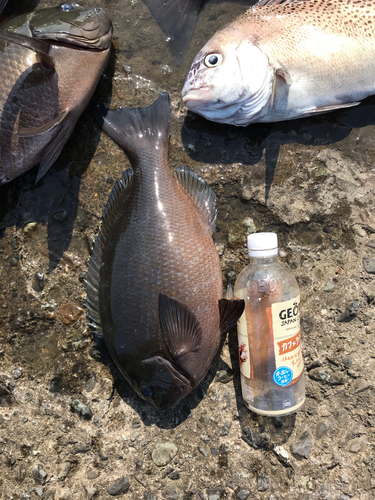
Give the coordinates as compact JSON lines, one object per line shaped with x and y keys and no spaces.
{"x":213,"y":60}
{"x":67,"y":7}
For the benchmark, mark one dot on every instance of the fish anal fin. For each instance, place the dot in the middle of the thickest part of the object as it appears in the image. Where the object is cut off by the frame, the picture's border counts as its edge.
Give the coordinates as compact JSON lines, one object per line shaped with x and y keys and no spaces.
{"x":39,"y":46}
{"x":54,"y":147}
{"x":177,"y":19}
{"x":203,"y":195}
{"x":326,"y":109}
{"x":47,"y":127}
{"x":120,"y":192}
{"x":230,"y":312}
{"x":179,"y":326}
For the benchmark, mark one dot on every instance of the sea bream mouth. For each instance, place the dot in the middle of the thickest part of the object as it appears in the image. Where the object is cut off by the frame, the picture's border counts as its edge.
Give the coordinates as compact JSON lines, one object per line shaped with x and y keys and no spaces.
{"x":196,"y":98}
{"x":84,"y":27}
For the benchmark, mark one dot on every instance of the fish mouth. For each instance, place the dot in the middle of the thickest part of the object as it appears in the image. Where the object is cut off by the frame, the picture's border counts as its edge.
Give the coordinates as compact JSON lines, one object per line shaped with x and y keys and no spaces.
{"x":196,"y":98}
{"x":91,"y":29}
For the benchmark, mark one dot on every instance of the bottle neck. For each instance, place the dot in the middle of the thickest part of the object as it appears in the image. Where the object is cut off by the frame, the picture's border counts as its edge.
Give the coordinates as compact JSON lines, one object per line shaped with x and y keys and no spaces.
{"x":263,"y":261}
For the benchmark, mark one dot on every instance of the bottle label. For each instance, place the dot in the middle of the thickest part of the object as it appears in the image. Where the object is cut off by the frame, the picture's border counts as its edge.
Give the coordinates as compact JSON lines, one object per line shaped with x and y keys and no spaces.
{"x":286,"y":341}
{"x":243,"y":346}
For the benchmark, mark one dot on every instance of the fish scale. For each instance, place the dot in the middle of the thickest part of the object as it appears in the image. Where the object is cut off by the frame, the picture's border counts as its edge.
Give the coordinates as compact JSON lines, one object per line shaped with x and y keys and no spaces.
{"x":318,"y":55}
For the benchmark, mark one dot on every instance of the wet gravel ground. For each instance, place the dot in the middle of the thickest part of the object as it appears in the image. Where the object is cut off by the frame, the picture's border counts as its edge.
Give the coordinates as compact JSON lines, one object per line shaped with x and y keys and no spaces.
{"x":70,"y":426}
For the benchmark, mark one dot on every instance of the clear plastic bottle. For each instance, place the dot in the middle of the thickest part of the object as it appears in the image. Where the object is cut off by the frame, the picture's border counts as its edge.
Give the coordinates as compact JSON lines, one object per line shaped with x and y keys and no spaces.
{"x":269,"y":340}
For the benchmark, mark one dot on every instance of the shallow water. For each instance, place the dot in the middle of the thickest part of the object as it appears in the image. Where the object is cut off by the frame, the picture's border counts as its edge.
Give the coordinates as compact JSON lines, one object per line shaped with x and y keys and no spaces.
{"x":310,"y":180}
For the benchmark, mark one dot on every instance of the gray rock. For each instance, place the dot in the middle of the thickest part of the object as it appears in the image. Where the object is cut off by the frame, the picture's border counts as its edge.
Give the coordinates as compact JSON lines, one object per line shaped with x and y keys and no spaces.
{"x":243,"y":494}
{"x":64,"y":471}
{"x":224,"y":376}
{"x":164,"y":453}
{"x":39,"y":474}
{"x":17,"y":373}
{"x":38,"y":491}
{"x":302,"y":448}
{"x":214,"y":451}
{"x":327,"y":376}
{"x":81,"y":409}
{"x":263,"y":482}
{"x":369,"y":264}
{"x":214,"y":493}
{"x":202,"y":451}
{"x":170,"y":493}
{"x":330,"y":286}
{"x":25,"y":496}
{"x":322,"y":429}
{"x":120,"y":487}
{"x":347,"y":362}
{"x":149,"y":496}
{"x":91,"y":492}
{"x":225,"y":449}
{"x":224,"y":431}
{"x":92,"y":474}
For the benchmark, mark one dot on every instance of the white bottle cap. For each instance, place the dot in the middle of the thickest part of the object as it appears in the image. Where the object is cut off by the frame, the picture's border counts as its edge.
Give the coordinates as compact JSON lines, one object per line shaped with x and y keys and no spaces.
{"x":262,"y":244}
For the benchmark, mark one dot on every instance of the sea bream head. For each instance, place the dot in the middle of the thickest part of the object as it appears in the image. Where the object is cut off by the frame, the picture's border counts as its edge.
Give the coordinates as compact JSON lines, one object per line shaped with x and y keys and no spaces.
{"x":87,"y":27}
{"x":230,"y":80}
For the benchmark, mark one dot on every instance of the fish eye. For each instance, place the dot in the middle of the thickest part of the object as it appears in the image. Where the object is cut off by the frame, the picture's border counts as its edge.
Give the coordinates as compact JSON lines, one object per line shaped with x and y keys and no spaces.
{"x":66,"y":7}
{"x":213,"y":60}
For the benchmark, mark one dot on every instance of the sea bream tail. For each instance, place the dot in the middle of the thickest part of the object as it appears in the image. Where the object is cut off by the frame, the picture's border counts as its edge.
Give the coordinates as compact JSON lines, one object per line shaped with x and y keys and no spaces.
{"x":177,"y":19}
{"x":136,"y":129}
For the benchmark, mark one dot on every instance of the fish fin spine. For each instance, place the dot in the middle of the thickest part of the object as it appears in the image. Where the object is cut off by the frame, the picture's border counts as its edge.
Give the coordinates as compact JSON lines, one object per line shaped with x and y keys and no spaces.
{"x":43,"y":129}
{"x":203,"y":195}
{"x":179,"y":326}
{"x":119,"y":193}
{"x":230,"y":312}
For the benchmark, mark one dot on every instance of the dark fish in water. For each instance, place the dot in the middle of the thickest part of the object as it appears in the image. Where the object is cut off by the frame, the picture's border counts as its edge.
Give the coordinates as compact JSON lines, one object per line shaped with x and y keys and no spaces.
{"x":50,"y":63}
{"x":154,"y":285}
{"x":177,"y":19}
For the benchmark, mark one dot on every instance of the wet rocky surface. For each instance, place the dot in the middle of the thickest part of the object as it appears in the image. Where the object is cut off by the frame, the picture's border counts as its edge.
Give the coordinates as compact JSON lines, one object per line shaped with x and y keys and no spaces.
{"x":70,"y":426}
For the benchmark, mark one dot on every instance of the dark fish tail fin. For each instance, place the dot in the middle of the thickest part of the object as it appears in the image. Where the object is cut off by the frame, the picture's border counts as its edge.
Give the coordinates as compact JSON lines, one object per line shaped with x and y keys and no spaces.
{"x":138,"y":128}
{"x":177,"y":19}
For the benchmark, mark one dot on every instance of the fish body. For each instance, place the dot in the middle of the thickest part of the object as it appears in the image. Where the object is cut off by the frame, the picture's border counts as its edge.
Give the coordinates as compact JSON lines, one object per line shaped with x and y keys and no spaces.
{"x":283,"y":60}
{"x":154,"y":282}
{"x":50,"y":63}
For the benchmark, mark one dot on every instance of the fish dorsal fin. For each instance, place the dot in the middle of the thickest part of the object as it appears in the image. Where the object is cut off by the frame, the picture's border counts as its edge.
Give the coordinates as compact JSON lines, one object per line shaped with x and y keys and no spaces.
{"x":137,"y":128}
{"x":204,"y":196}
{"x":119,"y":194}
{"x":179,"y":326}
{"x":230,"y":312}
{"x":177,"y":19}
{"x":39,"y":46}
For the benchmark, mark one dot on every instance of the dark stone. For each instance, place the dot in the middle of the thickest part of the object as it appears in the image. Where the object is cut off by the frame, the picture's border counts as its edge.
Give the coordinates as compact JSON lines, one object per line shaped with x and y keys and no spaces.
{"x":202,"y":451}
{"x":307,"y":324}
{"x":224,"y":431}
{"x":224,"y":376}
{"x":81,"y":409}
{"x":347,"y":362}
{"x":214,"y":493}
{"x":263,"y":482}
{"x":175,"y":475}
{"x":120,"y":487}
{"x":302,"y":448}
{"x":56,"y":384}
{"x":214,"y":451}
{"x":243,"y":494}
{"x":149,"y":496}
{"x":39,"y":474}
{"x":369,"y":265}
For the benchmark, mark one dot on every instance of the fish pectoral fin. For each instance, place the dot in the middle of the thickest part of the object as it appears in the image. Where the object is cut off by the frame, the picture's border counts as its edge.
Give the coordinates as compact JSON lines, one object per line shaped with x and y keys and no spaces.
{"x":177,"y":19}
{"x":179,"y":326}
{"x":47,"y":127}
{"x":115,"y":203}
{"x":204,"y":196}
{"x":54,"y":147}
{"x":282,"y":72}
{"x":326,"y":109}
{"x":230,"y":312}
{"x":39,"y":46}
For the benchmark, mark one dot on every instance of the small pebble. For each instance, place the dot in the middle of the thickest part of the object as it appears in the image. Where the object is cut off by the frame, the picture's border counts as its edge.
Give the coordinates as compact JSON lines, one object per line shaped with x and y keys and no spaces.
{"x":164,"y":453}
{"x":243,"y":494}
{"x":214,"y":494}
{"x":202,"y":451}
{"x":81,"y":409}
{"x":263,"y":482}
{"x":120,"y":487}
{"x":224,"y":431}
{"x":369,"y":265}
{"x":69,"y":313}
{"x":17,"y":373}
{"x":39,"y":474}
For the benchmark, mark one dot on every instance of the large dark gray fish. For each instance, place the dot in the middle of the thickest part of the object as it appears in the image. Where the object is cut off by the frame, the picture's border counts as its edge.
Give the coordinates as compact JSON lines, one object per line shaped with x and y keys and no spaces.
{"x":154,"y":285}
{"x":177,"y":19}
{"x":50,"y":63}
